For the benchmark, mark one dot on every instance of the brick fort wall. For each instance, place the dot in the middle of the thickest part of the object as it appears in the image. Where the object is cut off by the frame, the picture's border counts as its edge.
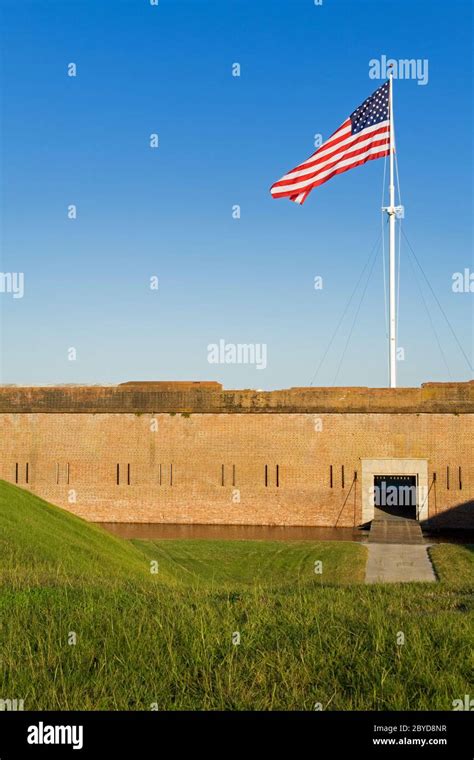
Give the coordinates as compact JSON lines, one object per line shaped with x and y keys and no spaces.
{"x":194,"y":453}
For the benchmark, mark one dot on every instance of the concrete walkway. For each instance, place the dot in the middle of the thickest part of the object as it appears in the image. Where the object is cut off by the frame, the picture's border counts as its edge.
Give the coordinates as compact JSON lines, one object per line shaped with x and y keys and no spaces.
{"x":397,"y":551}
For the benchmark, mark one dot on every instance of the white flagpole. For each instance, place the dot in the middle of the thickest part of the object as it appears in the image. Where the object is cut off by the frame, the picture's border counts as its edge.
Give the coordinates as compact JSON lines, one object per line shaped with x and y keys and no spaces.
{"x":392,"y":278}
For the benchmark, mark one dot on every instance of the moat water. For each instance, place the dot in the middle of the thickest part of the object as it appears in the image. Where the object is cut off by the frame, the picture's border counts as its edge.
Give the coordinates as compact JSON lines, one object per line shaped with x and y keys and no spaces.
{"x":153,"y":531}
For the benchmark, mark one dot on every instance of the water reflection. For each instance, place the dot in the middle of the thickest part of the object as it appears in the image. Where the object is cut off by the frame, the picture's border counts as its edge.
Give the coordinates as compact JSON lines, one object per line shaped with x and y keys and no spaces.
{"x":152,"y":531}
{"x":449,"y":537}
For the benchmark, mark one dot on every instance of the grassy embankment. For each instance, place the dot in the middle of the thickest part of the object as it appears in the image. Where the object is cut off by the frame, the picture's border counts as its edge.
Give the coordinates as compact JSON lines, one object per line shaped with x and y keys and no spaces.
{"x":166,"y":638}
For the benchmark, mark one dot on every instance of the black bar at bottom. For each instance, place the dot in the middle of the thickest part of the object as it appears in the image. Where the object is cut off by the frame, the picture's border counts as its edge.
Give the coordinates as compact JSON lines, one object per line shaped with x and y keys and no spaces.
{"x":135,"y":734}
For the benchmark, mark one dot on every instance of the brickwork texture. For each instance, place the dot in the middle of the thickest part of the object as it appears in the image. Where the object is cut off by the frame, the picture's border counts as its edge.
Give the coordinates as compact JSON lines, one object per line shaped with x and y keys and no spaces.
{"x":193,"y":453}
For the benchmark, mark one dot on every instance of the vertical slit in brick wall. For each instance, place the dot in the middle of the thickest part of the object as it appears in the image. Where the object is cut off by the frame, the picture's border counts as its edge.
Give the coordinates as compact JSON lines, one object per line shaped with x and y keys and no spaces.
{"x":57,"y":473}
{"x":233,"y":474}
{"x":460,"y":479}
{"x":278,"y":475}
{"x":27,"y":473}
{"x":171,"y":474}
{"x":331,"y":481}
{"x":118,"y":474}
{"x":67,"y":473}
{"x":266,"y":475}
{"x":447,"y":478}
{"x":222,"y":475}
{"x":128,"y":474}
{"x":16,"y":473}
{"x":160,"y":476}
{"x":342,"y":476}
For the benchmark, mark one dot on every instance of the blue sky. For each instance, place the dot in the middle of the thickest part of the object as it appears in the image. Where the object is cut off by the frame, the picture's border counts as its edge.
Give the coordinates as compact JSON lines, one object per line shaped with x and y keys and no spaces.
{"x":224,"y":140}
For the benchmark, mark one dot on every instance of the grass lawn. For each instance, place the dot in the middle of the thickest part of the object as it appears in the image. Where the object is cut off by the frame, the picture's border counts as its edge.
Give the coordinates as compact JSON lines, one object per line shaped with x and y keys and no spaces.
{"x":165,"y":639}
{"x":218,"y":565}
{"x":454,"y":565}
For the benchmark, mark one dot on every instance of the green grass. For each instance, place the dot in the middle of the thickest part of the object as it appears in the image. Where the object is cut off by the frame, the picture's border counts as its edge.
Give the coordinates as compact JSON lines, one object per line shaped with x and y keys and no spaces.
{"x":454,"y":565}
{"x":227,"y":564}
{"x":42,"y":544}
{"x":166,"y":638}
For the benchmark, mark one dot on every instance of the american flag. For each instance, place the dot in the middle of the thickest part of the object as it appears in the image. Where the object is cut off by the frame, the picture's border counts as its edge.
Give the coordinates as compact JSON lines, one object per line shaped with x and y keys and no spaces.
{"x":365,"y":135}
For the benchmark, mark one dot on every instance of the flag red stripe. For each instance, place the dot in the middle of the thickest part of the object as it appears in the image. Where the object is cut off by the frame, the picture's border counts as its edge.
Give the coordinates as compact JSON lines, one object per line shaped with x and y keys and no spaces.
{"x":302,"y":183}
{"x":341,"y":170}
{"x":363,"y":137}
{"x":318,"y":158}
{"x":379,"y":136}
{"x":337,"y":137}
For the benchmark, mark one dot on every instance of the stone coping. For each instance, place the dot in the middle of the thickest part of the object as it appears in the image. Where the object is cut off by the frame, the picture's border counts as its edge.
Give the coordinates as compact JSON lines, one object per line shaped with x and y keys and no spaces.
{"x":211,"y":398}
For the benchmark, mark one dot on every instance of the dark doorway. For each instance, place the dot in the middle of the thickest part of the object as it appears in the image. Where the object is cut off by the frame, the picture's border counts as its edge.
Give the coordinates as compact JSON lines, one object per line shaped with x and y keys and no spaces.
{"x":396,"y":495}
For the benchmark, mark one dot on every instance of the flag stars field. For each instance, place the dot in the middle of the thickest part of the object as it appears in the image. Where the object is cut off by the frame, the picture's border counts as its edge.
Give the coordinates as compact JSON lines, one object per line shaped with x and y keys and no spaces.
{"x":364,"y":136}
